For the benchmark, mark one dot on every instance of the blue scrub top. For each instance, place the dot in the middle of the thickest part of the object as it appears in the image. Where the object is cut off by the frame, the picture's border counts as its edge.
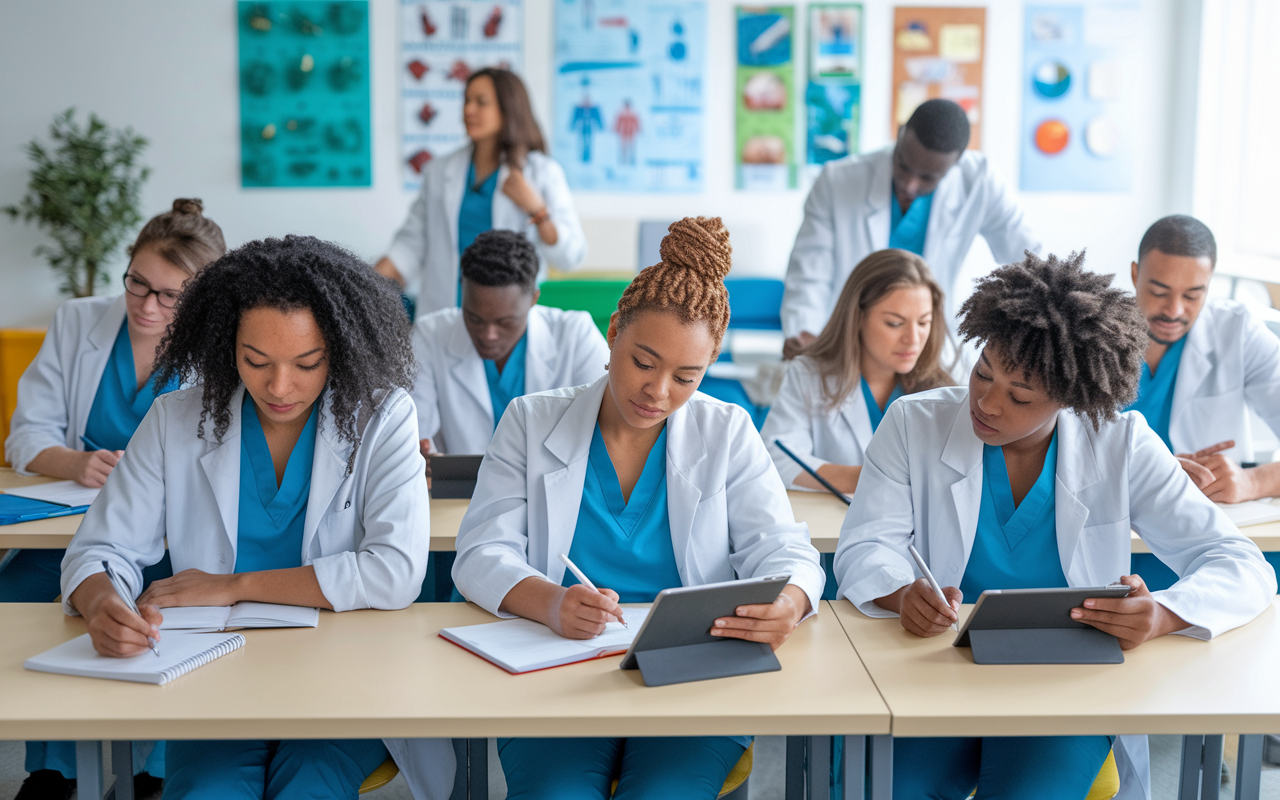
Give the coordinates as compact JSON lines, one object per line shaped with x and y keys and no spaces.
{"x":874,"y":411}
{"x":1155,"y":392}
{"x":1015,"y":548}
{"x":507,"y":386}
{"x":271,"y":518}
{"x":907,"y":231}
{"x":476,"y":214}
{"x":119,"y":405}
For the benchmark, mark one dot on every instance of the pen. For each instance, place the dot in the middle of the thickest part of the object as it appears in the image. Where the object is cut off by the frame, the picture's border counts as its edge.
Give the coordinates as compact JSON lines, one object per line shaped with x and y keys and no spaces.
{"x":928,"y":576}
{"x":62,"y":512}
{"x":89,"y":443}
{"x":812,"y":472}
{"x":123,"y":591}
{"x":585,"y":581}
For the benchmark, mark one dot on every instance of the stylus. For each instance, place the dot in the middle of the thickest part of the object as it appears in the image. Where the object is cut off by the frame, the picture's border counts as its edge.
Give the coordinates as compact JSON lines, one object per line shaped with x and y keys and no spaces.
{"x":813,"y":473}
{"x":585,"y":581}
{"x":928,"y":576}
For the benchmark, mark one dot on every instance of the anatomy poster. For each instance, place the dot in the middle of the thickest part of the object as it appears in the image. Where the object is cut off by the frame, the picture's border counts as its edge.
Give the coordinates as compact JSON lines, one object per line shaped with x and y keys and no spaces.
{"x":629,"y":94}
{"x":833,"y":95}
{"x":937,"y":52}
{"x":765,"y":98}
{"x":441,"y":44}
{"x":304,"y":93}
{"x":1077,"y":133}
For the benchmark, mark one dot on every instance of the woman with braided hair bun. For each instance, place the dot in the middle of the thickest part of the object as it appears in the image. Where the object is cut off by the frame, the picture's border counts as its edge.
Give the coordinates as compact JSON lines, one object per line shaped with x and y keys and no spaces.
{"x":615,"y":474}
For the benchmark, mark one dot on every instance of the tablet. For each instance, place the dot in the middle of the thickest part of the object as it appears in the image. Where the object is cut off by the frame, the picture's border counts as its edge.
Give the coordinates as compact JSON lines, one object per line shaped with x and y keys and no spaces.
{"x":1024,"y":609}
{"x":453,"y":476}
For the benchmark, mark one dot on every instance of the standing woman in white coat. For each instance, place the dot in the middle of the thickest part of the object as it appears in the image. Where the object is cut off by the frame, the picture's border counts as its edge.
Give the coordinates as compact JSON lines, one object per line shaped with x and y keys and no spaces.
{"x":502,"y":179}
{"x":646,"y":484}
{"x":290,"y":474}
{"x":1030,"y":478}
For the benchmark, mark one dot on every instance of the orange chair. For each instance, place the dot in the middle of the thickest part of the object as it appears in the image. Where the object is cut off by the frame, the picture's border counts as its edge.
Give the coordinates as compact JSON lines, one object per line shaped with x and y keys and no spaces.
{"x":18,"y":348}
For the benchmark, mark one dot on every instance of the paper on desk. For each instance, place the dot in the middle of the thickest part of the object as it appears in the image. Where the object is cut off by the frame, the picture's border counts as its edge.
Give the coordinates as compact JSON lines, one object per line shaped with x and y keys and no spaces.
{"x":1251,"y":512}
{"x":64,"y":493}
{"x":522,"y":645}
{"x":241,"y":615}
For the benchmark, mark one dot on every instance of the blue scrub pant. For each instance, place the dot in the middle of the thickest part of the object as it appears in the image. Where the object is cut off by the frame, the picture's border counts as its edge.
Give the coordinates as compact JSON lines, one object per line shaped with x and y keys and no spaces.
{"x":34,"y":576}
{"x":1043,"y":767}
{"x":667,"y":768}
{"x":301,"y":769}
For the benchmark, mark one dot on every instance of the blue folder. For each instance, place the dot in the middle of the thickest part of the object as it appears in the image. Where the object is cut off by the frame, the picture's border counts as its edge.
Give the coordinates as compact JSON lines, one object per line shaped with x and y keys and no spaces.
{"x":14,"y":509}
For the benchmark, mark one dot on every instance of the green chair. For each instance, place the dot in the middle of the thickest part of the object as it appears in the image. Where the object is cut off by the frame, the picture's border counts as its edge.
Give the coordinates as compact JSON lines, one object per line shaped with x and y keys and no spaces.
{"x":599,"y":298}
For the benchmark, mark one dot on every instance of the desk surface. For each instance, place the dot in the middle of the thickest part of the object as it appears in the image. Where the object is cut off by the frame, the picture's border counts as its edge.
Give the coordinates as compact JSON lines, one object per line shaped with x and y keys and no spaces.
{"x":387,"y":673}
{"x":1173,"y":684}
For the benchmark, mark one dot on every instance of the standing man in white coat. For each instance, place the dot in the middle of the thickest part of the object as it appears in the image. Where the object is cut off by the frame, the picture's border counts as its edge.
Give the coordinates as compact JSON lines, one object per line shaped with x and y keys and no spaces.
{"x":926,"y":194}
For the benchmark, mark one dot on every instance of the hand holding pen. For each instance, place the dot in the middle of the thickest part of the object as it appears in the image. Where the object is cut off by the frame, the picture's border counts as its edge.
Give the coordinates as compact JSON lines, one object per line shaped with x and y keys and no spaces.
{"x":122,"y":589}
{"x":610,"y":605}
{"x":927,"y":609}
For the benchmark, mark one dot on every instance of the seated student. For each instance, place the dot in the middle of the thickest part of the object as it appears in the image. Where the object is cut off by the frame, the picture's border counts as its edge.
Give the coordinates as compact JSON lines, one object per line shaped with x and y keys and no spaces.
{"x":79,"y":403}
{"x":615,"y":475}
{"x":1028,"y":478}
{"x":1205,"y":359}
{"x":291,"y":474}
{"x":880,"y":343}
{"x":499,"y":338}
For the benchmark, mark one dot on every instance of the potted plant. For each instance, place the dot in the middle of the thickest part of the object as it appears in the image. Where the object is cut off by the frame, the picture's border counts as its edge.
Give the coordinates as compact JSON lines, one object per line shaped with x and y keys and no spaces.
{"x":83,"y":192}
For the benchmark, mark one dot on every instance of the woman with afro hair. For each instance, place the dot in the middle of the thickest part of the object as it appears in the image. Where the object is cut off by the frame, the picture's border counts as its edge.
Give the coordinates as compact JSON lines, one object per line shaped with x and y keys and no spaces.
{"x":1030,"y":477}
{"x":615,"y":474}
{"x":289,"y":474}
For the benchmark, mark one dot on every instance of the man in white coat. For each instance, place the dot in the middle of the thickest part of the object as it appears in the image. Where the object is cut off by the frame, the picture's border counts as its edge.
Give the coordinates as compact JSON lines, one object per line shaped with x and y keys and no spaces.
{"x":926,"y":194}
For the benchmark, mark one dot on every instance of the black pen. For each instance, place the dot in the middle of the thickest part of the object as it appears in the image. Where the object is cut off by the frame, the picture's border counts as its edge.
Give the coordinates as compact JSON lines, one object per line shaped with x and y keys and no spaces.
{"x":812,"y":472}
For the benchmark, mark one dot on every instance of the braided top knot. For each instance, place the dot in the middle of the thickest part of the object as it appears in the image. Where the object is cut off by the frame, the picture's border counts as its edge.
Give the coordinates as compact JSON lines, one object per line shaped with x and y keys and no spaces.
{"x":689,"y":280}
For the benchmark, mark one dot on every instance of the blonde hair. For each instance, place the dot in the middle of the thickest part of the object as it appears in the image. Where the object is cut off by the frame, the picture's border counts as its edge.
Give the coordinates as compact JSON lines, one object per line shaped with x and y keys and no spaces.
{"x":837,"y":352}
{"x":183,"y":236}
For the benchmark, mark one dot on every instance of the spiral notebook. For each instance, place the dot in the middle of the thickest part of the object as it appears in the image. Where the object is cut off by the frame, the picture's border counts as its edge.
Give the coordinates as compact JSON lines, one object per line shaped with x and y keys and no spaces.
{"x":180,"y":653}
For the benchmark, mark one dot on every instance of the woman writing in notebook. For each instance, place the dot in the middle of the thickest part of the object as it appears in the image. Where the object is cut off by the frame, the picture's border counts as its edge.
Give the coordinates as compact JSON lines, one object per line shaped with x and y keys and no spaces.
{"x":290,"y":474}
{"x":645,"y":484}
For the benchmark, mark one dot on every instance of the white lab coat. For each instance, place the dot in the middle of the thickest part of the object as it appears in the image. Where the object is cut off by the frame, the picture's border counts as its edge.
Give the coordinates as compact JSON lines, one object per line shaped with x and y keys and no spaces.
{"x":847,"y":216}
{"x":801,"y":419}
{"x":1230,"y":359}
{"x":56,"y":392}
{"x":455,"y":411}
{"x":729,"y":513}
{"x":425,"y":249}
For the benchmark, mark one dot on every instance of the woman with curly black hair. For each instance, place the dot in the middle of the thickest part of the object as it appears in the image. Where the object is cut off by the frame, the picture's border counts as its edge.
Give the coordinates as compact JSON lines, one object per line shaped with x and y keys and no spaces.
{"x":1030,"y":477}
{"x":306,"y":489}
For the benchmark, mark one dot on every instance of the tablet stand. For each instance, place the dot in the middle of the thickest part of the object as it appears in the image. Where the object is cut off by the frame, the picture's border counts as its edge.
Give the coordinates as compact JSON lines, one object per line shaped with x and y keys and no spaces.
{"x":704,"y":661}
{"x":1045,"y":646}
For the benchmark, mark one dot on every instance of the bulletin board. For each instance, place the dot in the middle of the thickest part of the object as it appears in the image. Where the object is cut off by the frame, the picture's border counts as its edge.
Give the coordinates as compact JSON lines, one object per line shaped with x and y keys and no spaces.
{"x":764,"y":98}
{"x":938,"y":52}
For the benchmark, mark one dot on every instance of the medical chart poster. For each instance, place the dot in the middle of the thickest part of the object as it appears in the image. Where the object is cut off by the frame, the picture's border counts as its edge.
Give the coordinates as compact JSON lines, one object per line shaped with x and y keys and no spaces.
{"x":1077,"y":129}
{"x":629,"y":86}
{"x":833,"y":95}
{"x":938,"y":52}
{"x":441,"y":44}
{"x":764,"y":101}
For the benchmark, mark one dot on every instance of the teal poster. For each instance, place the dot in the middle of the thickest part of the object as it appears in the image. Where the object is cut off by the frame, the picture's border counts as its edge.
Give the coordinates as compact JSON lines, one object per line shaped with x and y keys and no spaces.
{"x":304,"y":93}
{"x":833,"y":96}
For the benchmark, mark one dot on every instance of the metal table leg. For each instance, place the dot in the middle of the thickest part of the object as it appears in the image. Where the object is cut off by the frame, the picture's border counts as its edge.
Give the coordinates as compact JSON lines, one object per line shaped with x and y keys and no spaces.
{"x":1189,"y":771}
{"x":1211,"y":768}
{"x":122,"y":766}
{"x":818,"y":768}
{"x":793,"y":777}
{"x":1249,"y":768}
{"x":881,"y":767}
{"x":478,"y":769}
{"x":89,"y":770}
{"x":855,"y":767}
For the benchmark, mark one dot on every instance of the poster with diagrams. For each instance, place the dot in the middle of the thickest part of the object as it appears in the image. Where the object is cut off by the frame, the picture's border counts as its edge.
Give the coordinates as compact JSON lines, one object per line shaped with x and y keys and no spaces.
{"x":304,"y":93}
{"x":938,"y":52}
{"x":441,"y":44}
{"x":1077,"y":131}
{"x":764,"y":101}
{"x":833,"y":94}
{"x":630,"y":94}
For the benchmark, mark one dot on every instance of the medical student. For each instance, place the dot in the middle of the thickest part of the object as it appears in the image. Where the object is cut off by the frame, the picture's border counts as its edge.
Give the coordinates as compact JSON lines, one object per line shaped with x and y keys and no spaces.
{"x":78,"y":405}
{"x":503,"y":178}
{"x":1030,"y":478}
{"x":615,"y":474}
{"x":881,"y":342}
{"x":474,"y":360}
{"x":290,"y":474}
{"x":926,"y":194}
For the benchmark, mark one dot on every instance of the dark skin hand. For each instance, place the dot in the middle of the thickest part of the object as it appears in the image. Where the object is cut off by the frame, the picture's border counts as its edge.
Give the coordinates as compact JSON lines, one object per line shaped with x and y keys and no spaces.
{"x":1133,"y":619}
{"x":920,"y":610}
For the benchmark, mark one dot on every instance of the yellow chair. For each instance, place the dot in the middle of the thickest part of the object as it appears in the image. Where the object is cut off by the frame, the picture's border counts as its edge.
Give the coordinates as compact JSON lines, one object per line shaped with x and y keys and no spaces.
{"x":1107,"y":784}
{"x":384,"y":774}
{"x":18,"y":349}
{"x":737,"y":776}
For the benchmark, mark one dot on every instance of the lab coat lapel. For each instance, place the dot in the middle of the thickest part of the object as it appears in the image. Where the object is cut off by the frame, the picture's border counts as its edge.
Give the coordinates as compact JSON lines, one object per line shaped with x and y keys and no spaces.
{"x":506,"y":216}
{"x":221,"y":464}
{"x":962,"y":453}
{"x":1197,"y":363}
{"x":686,"y":449}
{"x":467,"y":370}
{"x":570,"y":442}
{"x":857,"y":416}
{"x":879,"y":196}
{"x":944,"y":209}
{"x":455,"y":183}
{"x":1076,"y":470}
{"x":328,"y":471}
{"x":538,"y":344}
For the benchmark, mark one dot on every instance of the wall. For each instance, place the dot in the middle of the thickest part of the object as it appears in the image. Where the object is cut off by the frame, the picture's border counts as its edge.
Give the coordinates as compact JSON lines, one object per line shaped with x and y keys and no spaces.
{"x":169,"y":70}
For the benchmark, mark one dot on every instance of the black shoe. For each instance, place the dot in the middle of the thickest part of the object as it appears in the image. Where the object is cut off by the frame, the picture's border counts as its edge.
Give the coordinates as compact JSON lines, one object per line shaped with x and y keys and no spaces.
{"x":146,"y":785}
{"x":46,"y":784}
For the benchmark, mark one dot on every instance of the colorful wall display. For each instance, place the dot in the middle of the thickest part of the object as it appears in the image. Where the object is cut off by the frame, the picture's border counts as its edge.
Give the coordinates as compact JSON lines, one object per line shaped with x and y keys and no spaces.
{"x":629,"y":94}
{"x":441,"y":44}
{"x":1077,"y":133}
{"x":304,"y":93}
{"x":938,"y":52}
{"x":765,"y":146}
{"x":833,"y":95}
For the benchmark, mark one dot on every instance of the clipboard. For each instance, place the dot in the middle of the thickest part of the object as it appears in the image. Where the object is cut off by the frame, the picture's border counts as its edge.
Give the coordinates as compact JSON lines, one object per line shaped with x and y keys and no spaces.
{"x":14,"y":509}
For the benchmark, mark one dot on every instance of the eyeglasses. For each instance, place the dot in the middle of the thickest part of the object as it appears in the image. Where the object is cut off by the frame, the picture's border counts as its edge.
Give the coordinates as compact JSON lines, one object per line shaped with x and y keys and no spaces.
{"x":140,"y":288}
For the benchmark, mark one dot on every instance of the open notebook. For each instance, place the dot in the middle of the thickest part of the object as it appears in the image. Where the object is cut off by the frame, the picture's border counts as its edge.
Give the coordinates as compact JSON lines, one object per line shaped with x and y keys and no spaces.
{"x":522,"y":645}
{"x":1251,"y":512}
{"x":241,"y":615}
{"x":180,"y":652}
{"x":64,"y":493}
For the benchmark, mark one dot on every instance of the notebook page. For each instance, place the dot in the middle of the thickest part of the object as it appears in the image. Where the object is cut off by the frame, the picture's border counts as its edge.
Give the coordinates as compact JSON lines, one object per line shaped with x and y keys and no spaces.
{"x":65,"y":493}
{"x":272,"y":615}
{"x":1251,"y":512}
{"x":205,"y":618}
{"x":522,"y":645}
{"x":180,"y":652}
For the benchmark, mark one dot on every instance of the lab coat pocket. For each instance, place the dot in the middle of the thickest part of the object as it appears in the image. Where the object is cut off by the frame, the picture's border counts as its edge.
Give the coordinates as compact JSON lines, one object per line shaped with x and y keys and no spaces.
{"x":1104,"y":550}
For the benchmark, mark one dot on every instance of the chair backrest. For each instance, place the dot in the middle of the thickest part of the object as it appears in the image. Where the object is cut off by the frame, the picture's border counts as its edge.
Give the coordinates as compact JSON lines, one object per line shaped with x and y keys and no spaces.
{"x":18,"y":348}
{"x":599,"y":298}
{"x":755,"y":303}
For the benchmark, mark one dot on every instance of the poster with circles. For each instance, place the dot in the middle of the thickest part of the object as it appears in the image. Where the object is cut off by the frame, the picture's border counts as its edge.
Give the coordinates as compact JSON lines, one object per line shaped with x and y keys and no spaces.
{"x":1077,"y":132}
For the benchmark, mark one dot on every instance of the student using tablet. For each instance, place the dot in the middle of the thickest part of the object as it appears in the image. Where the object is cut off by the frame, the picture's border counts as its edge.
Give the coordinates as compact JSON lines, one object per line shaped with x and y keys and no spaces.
{"x":289,"y":474}
{"x":880,"y":343}
{"x":1030,"y":478}
{"x":645,"y":484}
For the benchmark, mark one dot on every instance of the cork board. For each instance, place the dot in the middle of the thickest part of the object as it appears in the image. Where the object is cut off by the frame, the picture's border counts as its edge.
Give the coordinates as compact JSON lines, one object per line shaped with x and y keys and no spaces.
{"x":938,"y":52}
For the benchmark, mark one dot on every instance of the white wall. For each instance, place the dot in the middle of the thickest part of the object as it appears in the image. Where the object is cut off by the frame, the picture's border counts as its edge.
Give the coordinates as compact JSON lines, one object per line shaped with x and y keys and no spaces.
{"x":169,"y":70}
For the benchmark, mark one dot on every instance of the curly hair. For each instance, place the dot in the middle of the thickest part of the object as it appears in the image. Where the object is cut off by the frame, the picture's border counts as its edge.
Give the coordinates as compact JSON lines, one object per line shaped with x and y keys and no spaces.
{"x":501,"y":258}
{"x":689,"y":280}
{"x":365,"y":329}
{"x":1067,"y":328}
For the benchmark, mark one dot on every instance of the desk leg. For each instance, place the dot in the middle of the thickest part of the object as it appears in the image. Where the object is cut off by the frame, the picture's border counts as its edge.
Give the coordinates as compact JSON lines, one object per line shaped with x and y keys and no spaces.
{"x":478,"y":769}
{"x":855,"y":767}
{"x":793,"y":777}
{"x":1211,"y":768}
{"x":89,"y":770}
{"x":1249,"y":768}
{"x":881,"y":767}
{"x":818,"y":777}
{"x":122,"y":766}
{"x":1189,"y":772}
